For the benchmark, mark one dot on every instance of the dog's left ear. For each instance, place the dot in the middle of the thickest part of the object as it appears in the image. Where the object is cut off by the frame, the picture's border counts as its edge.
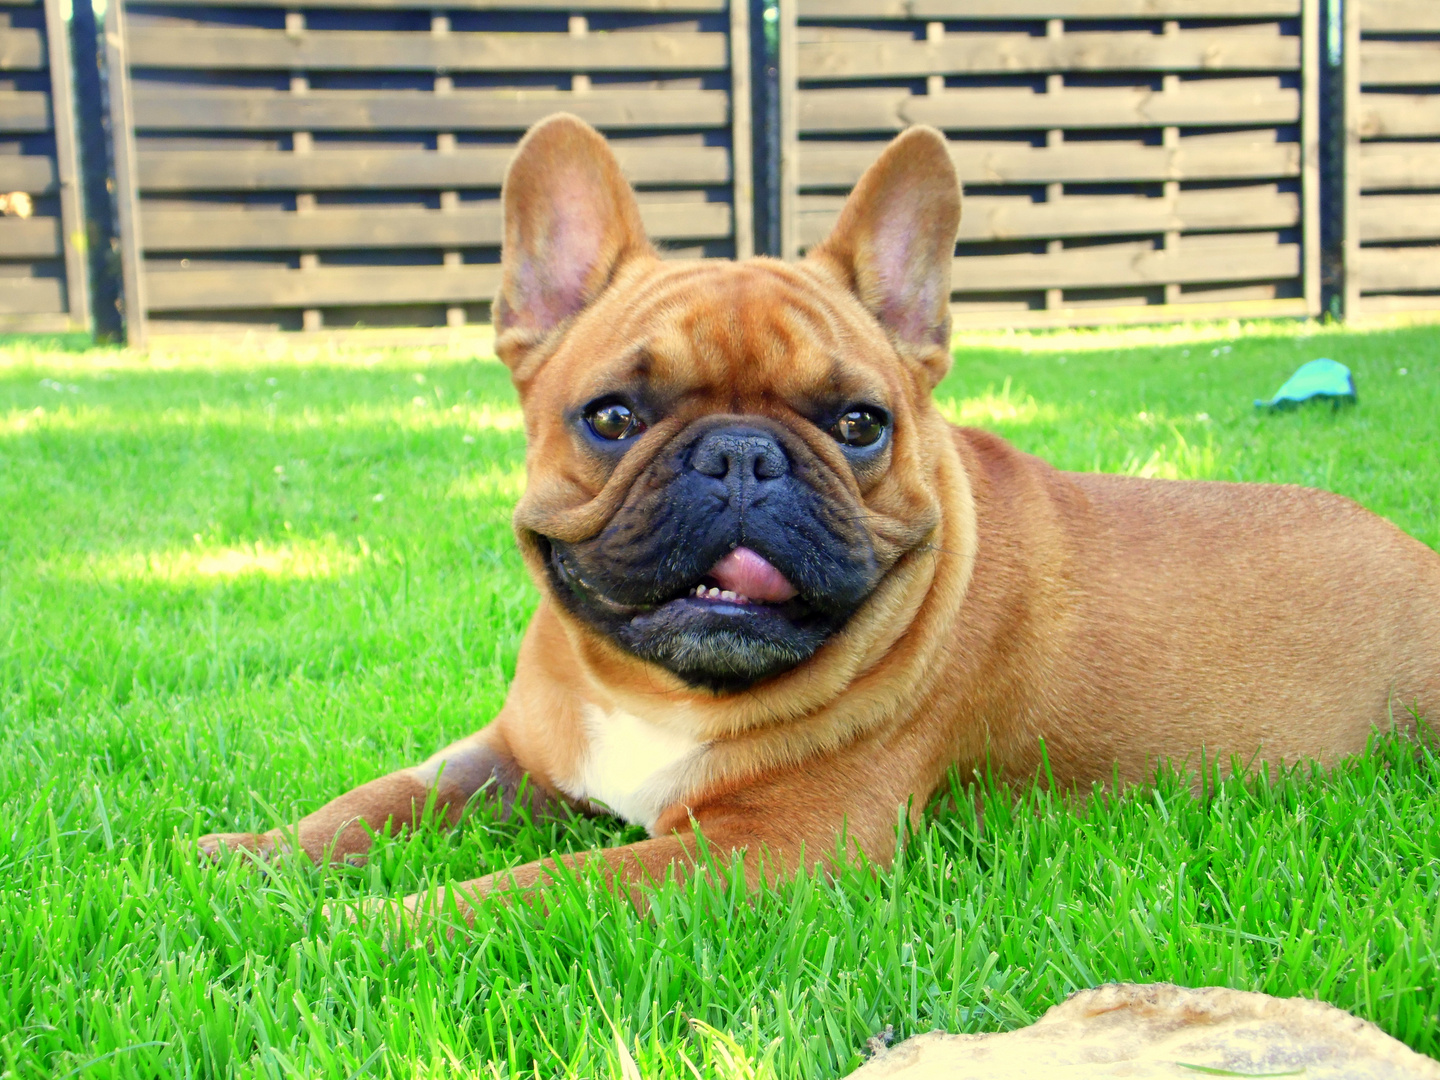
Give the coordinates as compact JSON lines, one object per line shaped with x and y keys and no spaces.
{"x":571,"y":220}
{"x":894,"y":243}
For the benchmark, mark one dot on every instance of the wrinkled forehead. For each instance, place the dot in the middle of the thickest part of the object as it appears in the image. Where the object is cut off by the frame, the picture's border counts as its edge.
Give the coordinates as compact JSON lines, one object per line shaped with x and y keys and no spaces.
{"x":735,"y":331}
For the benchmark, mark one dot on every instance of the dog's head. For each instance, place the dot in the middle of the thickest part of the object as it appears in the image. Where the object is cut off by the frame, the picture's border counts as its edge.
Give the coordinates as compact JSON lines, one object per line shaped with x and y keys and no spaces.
{"x":725,"y":459}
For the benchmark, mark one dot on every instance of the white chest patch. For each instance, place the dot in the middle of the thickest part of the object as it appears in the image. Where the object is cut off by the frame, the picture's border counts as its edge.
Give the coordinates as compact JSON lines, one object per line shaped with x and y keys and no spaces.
{"x":631,"y":766}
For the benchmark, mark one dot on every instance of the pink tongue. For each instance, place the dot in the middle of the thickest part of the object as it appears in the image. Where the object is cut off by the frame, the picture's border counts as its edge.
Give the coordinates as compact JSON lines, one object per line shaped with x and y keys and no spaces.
{"x":749,"y":574}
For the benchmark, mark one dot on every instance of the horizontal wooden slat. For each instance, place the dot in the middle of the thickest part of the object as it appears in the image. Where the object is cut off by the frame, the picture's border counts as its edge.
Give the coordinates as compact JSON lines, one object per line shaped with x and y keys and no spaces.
{"x":29,"y":173}
{"x":1399,"y":115}
{"x":472,"y":5}
{"x":238,"y":48}
{"x":827,"y":164}
{"x":1399,"y":269}
{"x":170,"y":109}
{"x":998,"y":218}
{"x":35,"y":238}
{"x":1119,"y":265}
{"x":1399,"y":16}
{"x":327,"y":286}
{"x":1400,"y":63}
{"x":1047,"y":9}
{"x":21,"y":49}
{"x":386,"y":227}
{"x":31,"y":296}
{"x":1388,"y":166}
{"x":1207,"y":103}
{"x":340,"y":170}
{"x":24,"y":111}
{"x":1400,"y":217}
{"x":827,"y":54}
{"x":53,"y":323}
{"x":964,"y":316}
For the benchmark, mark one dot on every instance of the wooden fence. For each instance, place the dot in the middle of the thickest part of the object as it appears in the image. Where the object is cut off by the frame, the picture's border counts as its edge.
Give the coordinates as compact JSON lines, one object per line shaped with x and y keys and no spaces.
{"x":42,"y":239}
{"x":1123,"y":160}
{"x":339,"y":164}
{"x":1392,"y":160}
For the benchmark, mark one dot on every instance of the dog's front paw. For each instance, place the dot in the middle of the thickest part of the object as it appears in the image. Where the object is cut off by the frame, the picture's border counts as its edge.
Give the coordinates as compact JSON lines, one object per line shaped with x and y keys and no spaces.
{"x":214,"y":846}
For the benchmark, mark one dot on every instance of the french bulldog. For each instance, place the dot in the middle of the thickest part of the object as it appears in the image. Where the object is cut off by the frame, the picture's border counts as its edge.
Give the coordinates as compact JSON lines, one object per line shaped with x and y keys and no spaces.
{"x":782,"y":597}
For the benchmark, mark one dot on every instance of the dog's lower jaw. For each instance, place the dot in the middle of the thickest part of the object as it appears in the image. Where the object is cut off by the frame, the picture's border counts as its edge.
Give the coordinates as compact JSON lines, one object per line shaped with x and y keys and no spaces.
{"x":722,"y":660}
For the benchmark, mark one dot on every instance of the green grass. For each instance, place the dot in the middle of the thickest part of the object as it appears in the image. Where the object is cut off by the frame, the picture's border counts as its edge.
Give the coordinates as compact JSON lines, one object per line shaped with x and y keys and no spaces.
{"x":235,"y":585}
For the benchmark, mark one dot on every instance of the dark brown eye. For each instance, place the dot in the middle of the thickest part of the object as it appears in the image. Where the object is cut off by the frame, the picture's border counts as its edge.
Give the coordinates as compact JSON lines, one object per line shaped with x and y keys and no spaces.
{"x":859,"y":427}
{"x":613,"y":420}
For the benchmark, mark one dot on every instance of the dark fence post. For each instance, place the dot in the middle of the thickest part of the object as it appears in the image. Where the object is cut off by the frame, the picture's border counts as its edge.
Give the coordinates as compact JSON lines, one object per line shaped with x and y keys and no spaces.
{"x":765,"y":105}
{"x":96,"y":168}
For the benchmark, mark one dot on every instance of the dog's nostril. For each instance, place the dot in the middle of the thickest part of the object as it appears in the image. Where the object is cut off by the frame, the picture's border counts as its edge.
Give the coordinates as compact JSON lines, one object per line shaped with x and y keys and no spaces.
{"x":738,"y":456}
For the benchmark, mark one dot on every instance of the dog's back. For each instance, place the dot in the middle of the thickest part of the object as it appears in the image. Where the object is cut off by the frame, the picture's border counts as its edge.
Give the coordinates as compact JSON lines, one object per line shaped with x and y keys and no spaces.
{"x":1165,"y":614}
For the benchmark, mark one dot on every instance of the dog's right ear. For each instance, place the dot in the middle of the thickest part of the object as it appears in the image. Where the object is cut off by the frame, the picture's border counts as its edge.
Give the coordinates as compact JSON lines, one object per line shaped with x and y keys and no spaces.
{"x":571,"y":220}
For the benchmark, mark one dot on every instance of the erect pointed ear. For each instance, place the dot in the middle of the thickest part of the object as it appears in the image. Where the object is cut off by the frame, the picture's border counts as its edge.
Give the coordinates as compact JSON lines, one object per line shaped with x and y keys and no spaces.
{"x":894,"y":243}
{"x":570,"y":221}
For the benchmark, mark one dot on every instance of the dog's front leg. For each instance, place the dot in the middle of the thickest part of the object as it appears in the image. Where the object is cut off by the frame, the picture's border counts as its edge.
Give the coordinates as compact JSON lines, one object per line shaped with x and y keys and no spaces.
{"x":341,"y":829}
{"x":624,"y":870}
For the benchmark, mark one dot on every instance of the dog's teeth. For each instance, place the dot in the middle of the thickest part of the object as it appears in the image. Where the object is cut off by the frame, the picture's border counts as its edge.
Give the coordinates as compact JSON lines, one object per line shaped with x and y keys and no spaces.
{"x":713,"y":594}
{"x":740,"y":599}
{"x":726,"y":594}
{"x":699,"y":590}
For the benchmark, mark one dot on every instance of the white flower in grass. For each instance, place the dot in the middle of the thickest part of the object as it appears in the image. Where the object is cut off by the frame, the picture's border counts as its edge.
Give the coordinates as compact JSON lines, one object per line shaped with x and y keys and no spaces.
{"x":378,"y":497}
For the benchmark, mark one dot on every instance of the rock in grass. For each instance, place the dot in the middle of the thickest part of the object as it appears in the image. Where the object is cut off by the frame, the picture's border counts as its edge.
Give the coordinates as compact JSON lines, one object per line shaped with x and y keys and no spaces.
{"x":1146,"y":1032}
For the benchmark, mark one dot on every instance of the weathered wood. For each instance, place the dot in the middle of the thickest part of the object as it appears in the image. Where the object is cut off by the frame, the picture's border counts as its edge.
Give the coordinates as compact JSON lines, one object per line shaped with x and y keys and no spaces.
{"x":387,"y":227}
{"x":1399,"y":270}
{"x":24,"y":111}
{"x":406,"y":110}
{"x":1196,"y":104}
{"x":1388,"y":166}
{"x":792,"y":121}
{"x":965,"y":317}
{"x":35,"y":238}
{"x":127,"y":195}
{"x":324,"y":286}
{"x":1400,"y":63}
{"x":668,"y":6}
{"x":32,"y":296}
{"x":241,"y":48}
{"x":359,"y":170}
{"x":1048,"y":9}
{"x":1113,"y":266}
{"x":1399,"y":16}
{"x":73,"y":241}
{"x":29,"y":173}
{"x":1001,"y":218}
{"x":21,"y":49}
{"x":1389,"y":218}
{"x":1398,"y":115}
{"x":825,"y":54}
{"x":1311,"y":194}
{"x":51,"y":323}
{"x":1350,"y":76}
{"x":839,"y":164}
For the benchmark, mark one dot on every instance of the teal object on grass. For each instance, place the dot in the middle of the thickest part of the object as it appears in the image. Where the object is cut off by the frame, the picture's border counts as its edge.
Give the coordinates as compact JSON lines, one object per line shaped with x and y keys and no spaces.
{"x":1323,"y":378}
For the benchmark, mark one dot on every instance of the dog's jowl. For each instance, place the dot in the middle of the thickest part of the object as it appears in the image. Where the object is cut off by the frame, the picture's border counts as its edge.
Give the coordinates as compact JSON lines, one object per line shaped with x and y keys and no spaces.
{"x":781,"y":597}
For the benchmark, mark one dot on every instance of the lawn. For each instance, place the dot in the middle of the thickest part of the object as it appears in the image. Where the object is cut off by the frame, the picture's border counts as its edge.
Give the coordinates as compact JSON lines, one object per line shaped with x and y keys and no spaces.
{"x":236,"y":584}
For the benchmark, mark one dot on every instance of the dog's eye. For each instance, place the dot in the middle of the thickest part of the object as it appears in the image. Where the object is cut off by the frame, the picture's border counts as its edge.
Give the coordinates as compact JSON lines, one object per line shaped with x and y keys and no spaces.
{"x":859,"y":427}
{"x":613,"y":420}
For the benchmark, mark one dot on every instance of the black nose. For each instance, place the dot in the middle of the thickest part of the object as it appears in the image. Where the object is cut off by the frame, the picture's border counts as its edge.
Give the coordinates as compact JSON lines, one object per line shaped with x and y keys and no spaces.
{"x":741,"y":457}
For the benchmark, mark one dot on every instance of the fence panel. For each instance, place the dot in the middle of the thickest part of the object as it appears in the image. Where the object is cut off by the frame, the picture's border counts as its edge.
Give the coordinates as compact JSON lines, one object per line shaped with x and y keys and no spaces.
{"x":1123,"y":160}
{"x":1392,"y":159}
{"x":42,"y":239}
{"x":338,"y":162}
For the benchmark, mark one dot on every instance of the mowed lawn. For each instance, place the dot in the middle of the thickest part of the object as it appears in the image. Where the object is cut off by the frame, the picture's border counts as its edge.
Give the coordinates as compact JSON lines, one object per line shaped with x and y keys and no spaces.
{"x":233,"y":585}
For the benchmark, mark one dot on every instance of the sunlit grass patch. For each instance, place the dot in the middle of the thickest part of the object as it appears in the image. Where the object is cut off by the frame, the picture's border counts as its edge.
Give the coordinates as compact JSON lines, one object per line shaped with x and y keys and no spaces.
{"x":354,"y":600}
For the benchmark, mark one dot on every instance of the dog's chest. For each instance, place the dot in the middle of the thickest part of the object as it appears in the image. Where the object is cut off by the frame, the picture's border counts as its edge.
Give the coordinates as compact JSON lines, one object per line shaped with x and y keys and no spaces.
{"x":633,"y":768}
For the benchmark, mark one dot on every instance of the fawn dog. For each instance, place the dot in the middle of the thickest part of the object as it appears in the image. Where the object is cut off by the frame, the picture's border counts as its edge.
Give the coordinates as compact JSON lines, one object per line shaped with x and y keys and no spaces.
{"x":781,"y":597}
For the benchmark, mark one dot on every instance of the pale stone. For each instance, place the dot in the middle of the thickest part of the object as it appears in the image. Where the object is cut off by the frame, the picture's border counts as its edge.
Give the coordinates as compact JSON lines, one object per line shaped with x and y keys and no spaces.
{"x":1155,"y":1031}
